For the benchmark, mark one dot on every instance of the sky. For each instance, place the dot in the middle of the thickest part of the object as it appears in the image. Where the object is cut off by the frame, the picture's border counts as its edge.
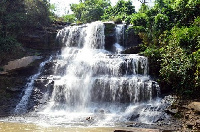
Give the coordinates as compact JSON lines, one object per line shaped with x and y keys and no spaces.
{"x":62,"y":6}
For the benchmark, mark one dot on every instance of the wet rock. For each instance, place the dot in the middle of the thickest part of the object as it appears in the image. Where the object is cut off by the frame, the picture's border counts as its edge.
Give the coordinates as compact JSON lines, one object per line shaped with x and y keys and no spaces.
{"x":90,"y":119}
{"x":109,"y":35}
{"x":41,"y":39}
{"x":133,"y":117}
{"x":172,"y":111}
{"x":131,"y":38}
{"x":109,"y":28}
{"x":190,"y":124}
{"x":132,"y":50}
{"x":195,"y":106}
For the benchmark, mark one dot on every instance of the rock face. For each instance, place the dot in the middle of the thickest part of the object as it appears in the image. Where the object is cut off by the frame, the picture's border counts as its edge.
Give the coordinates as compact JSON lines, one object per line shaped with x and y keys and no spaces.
{"x":195,"y":106}
{"x":19,"y":63}
{"x":132,"y":50}
{"x":109,"y":35}
{"x":45,"y":39}
{"x":131,"y":39}
{"x":42,"y":39}
{"x":127,"y":37}
{"x":12,"y":84}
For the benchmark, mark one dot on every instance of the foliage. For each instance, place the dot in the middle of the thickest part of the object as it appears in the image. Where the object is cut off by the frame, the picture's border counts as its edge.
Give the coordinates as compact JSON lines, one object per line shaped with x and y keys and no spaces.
{"x":139,"y":19}
{"x":187,"y":11}
{"x":144,"y":8}
{"x":121,"y":10}
{"x":161,"y":22}
{"x":37,"y":13}
{"x":89,"y":10}
{"x":176,"y":67}
{"x":12,"y":16}
{"x":170,"y":32}
{"x":69,"y":18}
{"x":153,"y":54}
{"x":20,"y":17}
{"x":8,"y":44}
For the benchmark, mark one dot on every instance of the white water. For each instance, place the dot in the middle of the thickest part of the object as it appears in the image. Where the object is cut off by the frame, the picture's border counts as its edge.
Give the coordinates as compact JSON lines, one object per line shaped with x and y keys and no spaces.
{"x":94,"y":82}
{"x":119,"y":35}
{"x":22,"y":105}
{"x":92,"y":86}
{"x":120,"y":30}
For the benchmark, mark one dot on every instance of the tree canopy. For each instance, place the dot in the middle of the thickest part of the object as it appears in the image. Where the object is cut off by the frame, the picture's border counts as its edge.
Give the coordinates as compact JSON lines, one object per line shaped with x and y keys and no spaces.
{"x":90,"y":10}
{"x":121,"y":10}
{"x":171,"y":36}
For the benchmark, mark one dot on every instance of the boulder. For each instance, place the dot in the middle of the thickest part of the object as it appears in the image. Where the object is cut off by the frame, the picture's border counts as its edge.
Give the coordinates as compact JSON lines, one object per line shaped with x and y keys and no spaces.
{"x":171,"y":110}
{"x":134,"y":116}
{"x":195,"y":106}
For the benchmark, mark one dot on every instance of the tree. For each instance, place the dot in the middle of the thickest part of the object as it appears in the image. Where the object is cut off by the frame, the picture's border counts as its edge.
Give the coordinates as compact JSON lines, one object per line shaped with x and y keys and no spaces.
{"x":171,"y":40}
{"x":12,"y":14}
{"x":37,"y":13}
{"x":20,"y":17}
{"x":122,"y":10}
{"x":89,"y":10}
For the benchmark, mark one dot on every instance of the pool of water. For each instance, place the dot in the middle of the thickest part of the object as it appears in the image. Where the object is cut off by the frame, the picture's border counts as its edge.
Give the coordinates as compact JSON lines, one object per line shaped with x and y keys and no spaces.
{"x":26,"y":127}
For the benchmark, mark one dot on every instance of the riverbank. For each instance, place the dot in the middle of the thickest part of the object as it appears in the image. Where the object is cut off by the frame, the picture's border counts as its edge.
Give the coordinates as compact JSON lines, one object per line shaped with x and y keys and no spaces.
{"x":187,"y":112}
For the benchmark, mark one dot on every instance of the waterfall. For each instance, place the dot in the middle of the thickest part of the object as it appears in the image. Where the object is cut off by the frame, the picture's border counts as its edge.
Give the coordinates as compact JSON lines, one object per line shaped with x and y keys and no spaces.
{"x":90,"y":85}
{"x":90,"y":74}
{"x":119,"y":35}
{"x":22,"y":105}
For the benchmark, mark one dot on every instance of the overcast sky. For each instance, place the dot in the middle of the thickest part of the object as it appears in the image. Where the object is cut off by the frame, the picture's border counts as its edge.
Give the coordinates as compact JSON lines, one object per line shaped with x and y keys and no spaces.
{"x":62,"y":6}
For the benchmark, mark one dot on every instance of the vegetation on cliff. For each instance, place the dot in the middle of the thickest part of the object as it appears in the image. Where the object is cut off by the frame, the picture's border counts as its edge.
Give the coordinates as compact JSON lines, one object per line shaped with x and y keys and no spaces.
{"x":20,"y":17}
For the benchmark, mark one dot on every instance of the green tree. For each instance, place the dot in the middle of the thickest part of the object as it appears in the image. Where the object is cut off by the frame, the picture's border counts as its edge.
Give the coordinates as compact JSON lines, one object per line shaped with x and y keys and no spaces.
{"x":69,"y":18}
{"x":12,"y":14}
{"x":122,"y":10}
{"x":37,"y":13}
{"x":89,"y":10}
{"x":19,"y":17}
{"x":170,"y":32}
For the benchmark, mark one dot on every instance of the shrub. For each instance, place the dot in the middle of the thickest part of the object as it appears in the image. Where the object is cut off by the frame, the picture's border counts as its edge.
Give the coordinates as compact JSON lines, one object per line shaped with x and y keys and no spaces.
{"x":9,"y":44}
{"x":139,"y":19}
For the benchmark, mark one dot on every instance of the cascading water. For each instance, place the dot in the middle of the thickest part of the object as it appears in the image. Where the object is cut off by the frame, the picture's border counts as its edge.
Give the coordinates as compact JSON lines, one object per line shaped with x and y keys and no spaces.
{"x":91,"y":79}
{"x":92,"y":86}
{"x":119,"y":35}
{"x":22,"y":105}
